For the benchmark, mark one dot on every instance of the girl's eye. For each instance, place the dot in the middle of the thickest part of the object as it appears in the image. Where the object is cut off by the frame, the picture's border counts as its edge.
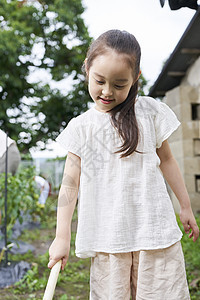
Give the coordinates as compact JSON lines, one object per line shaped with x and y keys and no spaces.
{"x":119,"y":86}
{"x":99,"y":82}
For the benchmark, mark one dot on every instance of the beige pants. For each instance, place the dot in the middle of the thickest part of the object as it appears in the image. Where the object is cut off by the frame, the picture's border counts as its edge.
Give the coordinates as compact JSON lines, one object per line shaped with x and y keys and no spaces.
{"x":143,"y":275}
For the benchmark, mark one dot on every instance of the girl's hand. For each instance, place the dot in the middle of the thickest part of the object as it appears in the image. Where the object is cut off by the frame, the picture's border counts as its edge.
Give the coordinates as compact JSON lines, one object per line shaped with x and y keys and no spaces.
{"x":59,"y":249}
{"x":189,"y":223}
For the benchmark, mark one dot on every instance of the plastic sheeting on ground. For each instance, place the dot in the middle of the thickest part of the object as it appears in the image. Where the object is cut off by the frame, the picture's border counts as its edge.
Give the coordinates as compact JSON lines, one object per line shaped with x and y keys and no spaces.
{"x":18,"y":247}
{"x":19,"y":228}
{"x":12,"y":273}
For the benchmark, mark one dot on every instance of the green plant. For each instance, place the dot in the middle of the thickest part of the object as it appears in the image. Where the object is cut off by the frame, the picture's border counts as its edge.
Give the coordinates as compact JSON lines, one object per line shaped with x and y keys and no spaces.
{"x":192,"y":260}
{"x":31,"y":281}
{"x":22,"y":197}
{"x":26,"y":156}
{"x":58,"y":29}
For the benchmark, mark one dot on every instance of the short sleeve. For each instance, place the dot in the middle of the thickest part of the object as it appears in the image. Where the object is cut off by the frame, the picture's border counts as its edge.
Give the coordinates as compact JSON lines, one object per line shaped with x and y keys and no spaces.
{"x":69,"y":138}
{"x":166,"y":123}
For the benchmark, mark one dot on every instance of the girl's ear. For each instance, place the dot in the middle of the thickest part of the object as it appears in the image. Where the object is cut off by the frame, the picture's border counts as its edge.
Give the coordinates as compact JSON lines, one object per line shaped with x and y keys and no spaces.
{"x":139,"y":74}
{"x":137,"y":77}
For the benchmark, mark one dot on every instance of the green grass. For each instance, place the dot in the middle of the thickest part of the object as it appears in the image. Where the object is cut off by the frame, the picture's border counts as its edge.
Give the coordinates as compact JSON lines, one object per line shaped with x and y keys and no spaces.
{"x":191,"y":252}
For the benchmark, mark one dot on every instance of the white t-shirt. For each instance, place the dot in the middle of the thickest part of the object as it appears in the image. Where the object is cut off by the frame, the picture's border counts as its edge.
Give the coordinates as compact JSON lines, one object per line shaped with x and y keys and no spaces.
{"x":123,"y":203}
{"x":40,"y":181}
{"x":3,"y":142}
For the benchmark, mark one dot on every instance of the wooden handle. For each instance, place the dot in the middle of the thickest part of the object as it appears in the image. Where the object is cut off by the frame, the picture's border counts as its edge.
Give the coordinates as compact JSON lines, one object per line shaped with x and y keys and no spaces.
{"x":51,"y":284}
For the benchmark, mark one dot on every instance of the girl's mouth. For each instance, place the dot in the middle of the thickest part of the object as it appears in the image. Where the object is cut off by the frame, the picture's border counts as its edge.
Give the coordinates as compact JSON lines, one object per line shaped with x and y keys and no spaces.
{"x":105,"y":101}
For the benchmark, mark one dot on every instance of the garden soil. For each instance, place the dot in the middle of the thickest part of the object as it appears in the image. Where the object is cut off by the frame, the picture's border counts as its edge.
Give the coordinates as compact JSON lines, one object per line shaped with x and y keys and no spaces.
{"x":41,"y":247}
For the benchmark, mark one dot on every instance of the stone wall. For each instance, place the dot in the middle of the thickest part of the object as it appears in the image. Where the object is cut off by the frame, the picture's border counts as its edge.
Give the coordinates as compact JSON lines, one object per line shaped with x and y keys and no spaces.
{"x":184,"y":100}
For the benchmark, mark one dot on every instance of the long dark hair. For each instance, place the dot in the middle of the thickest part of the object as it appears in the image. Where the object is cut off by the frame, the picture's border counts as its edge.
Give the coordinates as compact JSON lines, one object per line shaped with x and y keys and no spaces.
{"x":126,"y":124}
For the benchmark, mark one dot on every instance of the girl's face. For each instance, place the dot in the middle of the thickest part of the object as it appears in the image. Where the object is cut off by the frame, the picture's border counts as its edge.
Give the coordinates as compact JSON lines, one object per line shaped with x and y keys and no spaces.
{"x":109,"y":80}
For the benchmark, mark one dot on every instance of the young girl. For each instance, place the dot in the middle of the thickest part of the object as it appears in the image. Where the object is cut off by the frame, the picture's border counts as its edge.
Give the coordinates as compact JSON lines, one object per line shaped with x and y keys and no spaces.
{"x":118,"y":154}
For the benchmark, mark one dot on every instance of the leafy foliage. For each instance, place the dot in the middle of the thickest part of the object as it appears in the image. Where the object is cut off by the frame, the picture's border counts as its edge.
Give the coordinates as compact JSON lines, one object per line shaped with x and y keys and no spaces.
{"x":22,"y":197}
{"x":192,"y":259}
{"x":42,"y":46}
{"x":40,"y":36}
{"x":45,"y":39}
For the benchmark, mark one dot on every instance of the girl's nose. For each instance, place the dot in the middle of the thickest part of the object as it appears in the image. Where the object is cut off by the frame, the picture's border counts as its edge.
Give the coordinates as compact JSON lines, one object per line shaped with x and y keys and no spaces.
{"x":107,"y":91}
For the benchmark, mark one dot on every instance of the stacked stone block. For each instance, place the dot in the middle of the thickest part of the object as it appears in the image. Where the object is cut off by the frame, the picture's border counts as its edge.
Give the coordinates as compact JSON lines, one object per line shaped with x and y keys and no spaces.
{"x":184,"y":100}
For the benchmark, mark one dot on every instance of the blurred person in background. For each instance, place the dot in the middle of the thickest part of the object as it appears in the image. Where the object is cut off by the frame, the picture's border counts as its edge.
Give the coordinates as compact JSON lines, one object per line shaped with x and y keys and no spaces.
{"x":44,"y":187}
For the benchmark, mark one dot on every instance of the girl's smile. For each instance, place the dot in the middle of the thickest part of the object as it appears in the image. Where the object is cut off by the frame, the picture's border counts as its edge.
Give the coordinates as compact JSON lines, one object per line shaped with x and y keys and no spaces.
{"x":105,"y":101}
{"x":110,"y":79}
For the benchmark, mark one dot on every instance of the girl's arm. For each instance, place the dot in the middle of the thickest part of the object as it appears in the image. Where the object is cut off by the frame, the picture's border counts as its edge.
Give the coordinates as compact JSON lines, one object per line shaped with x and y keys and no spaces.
{"x":172,"y":174}
{"x":67,"y":198}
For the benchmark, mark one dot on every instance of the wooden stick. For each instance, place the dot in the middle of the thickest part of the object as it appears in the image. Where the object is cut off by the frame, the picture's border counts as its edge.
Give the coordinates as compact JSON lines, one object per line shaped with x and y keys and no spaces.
{"x":51,"y":284}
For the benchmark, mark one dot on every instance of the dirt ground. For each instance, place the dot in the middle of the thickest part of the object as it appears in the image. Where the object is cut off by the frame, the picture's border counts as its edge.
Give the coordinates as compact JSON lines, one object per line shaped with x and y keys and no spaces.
{"x":41,"y":247}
